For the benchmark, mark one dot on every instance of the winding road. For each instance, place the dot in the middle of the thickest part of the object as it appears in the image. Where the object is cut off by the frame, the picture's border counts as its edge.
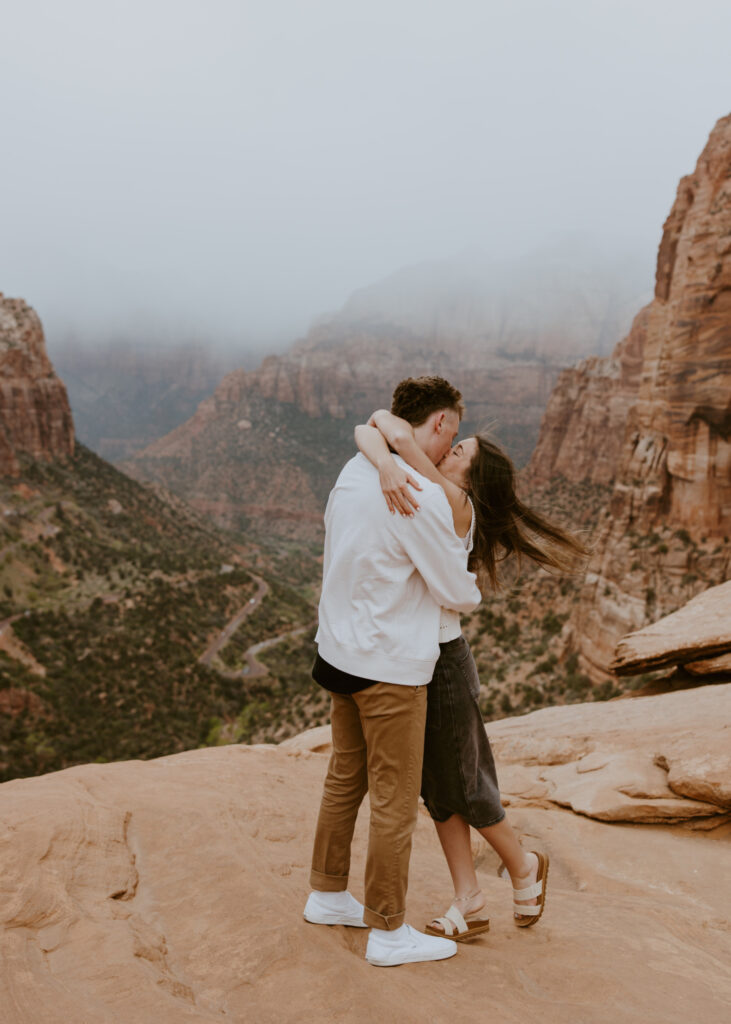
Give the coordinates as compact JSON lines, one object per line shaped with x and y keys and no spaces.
{"x":253,"y":668}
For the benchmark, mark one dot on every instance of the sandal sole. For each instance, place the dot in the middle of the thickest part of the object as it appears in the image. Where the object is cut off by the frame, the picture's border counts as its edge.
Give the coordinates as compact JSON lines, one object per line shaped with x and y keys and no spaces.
{"x":477,"y":929}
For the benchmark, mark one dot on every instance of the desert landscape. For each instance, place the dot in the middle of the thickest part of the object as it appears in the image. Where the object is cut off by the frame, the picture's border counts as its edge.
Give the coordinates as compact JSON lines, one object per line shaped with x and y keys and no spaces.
{"x":162,"y":489}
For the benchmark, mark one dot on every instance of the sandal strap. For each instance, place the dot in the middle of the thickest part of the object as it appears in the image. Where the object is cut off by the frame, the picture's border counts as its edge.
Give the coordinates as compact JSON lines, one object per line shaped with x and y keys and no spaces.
{"x":529,"y":911}
{"x":456,"y":918}
{"x":446,"y":924}
{"x":530,"y":892}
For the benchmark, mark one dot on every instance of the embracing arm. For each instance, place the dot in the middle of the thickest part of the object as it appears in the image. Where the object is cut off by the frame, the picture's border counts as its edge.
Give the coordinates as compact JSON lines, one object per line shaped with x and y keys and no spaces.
{"x":394,"y":481}
{"x":400,"y":436}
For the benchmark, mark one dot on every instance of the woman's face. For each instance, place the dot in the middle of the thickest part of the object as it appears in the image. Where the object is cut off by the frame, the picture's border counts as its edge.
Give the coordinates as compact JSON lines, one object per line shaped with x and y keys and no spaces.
{"x":457,"y":461}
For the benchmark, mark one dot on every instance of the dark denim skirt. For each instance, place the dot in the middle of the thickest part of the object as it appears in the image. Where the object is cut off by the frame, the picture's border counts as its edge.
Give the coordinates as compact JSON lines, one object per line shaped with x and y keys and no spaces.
{"x":459,"y":771}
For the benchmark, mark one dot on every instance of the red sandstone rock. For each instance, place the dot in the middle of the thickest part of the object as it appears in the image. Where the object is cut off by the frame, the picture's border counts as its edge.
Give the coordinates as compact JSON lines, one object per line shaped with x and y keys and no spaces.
{"x":700,"y":630}
{"x":655,"y":421}
{"x":35,"y":417}
{"x":172,"y":890}
{"x":582,"y":430}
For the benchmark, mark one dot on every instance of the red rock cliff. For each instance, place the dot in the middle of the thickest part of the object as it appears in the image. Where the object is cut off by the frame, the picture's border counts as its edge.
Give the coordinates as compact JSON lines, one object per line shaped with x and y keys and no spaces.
{"x":582,"y":431}
{"x":655,"y":420}
{"x":35,"y":417}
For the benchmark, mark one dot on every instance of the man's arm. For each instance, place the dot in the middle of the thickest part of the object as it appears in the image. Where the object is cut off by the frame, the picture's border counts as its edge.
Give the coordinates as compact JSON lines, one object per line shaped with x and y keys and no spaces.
{"x":432,"y":545}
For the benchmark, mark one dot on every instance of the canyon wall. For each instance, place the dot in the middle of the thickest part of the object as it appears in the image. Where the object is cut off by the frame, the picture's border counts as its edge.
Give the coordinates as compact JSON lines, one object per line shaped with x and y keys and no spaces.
{"x":654,"y":421}
{"x":582,"y":432}
{"x":127,"y":393}
{"x":269,"y":443}
{"x":35,"y":418}
{"x":501,"y":331}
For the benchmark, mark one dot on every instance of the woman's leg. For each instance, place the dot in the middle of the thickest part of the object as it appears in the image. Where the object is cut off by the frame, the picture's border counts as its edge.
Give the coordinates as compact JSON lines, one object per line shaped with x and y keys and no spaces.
{"x":459,"y":772}
{"x":522,"y":867}
{"x":454,"y":836}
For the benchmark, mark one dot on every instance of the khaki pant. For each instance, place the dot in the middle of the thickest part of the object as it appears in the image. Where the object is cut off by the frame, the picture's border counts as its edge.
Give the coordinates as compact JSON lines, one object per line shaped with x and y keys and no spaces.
{"x":378,"y":747}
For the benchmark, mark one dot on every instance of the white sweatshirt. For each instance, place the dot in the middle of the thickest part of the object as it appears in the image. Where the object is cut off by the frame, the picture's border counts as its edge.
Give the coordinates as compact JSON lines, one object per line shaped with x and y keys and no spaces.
{"x":385,"y":578}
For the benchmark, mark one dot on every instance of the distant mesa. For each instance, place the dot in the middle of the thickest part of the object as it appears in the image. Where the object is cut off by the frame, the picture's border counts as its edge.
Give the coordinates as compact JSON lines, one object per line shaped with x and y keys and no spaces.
{"x":35,"y":417}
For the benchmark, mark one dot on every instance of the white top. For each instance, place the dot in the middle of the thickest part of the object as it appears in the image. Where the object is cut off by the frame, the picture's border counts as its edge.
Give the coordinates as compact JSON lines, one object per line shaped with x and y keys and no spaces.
{"x":449,"y":625}
{"x":386,"y":577}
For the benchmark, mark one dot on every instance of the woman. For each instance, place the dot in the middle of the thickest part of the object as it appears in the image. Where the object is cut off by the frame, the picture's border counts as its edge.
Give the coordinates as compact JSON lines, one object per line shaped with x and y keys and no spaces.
{"x":459,"y":783}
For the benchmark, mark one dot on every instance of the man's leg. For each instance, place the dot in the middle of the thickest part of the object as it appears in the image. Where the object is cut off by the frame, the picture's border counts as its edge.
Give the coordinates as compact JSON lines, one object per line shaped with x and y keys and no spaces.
{"x":345,"y":786}
{"x":393,"y":719}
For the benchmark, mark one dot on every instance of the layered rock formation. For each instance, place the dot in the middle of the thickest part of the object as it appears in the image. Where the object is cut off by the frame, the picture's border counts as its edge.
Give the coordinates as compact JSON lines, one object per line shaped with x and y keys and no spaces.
{"x":582,"y":432}
{"x":269,"y":443}
{"x":697,"y":636}
{"x":500,"y":332}
{"x":35,"y":418}
{"x":656,"y":419}
{"x":172,"y":890}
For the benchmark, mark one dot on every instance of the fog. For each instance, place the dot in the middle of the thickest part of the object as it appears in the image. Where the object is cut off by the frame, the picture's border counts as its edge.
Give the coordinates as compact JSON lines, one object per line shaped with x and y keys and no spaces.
{"x":230,"y":169}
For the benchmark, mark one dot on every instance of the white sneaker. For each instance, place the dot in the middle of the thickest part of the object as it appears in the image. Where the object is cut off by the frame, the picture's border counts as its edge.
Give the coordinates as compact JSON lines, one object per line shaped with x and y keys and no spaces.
{"x":334,"y":908}
{"x":406,"y":946}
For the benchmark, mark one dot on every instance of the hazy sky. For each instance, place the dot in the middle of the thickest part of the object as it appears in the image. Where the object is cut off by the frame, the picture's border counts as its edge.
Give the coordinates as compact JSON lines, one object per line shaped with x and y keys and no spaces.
{"x":232,"y":168}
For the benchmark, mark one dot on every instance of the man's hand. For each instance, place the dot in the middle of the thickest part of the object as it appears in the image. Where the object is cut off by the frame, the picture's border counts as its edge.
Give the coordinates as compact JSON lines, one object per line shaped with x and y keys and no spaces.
{"x":395,"y":484}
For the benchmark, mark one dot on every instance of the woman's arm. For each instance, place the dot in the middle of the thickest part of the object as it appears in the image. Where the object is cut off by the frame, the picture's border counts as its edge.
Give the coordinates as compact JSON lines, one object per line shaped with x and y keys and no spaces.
{"x":394,"y":481}
{"x":400,"y":436}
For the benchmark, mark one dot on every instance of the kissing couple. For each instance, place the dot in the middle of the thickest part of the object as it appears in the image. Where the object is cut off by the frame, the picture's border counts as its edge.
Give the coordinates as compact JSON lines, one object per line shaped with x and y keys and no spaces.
{"x":410,"y":525}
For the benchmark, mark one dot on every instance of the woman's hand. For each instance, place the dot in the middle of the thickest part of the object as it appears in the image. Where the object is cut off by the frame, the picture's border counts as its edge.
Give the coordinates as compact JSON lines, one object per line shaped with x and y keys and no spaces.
{"x":395,"y":484}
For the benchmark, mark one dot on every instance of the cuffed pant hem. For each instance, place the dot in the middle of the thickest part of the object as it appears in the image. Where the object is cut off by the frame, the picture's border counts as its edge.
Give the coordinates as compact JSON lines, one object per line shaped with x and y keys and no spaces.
{"x":328,"y":883}
{"x":388,"y":923}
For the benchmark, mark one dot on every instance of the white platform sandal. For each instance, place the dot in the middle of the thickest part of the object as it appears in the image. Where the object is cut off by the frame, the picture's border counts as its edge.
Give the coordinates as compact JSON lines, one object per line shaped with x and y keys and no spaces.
{"x":457,"y":927}
{"x":538,"y":889}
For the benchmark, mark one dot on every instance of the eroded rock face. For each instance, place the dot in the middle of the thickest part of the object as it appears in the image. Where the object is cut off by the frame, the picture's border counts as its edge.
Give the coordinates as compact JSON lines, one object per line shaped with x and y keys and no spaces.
{"x":583,"y":427}
{"x":655,"y":420}
{"x":35,"y":417}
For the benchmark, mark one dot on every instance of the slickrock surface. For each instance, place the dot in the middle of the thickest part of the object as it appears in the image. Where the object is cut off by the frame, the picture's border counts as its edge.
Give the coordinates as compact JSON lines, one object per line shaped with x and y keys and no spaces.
{"x":172,"y":891}
{"x":645,"y":759}
{"x":35,"y":417}
{"x":655,"y":420}
{"x":700,"y":632}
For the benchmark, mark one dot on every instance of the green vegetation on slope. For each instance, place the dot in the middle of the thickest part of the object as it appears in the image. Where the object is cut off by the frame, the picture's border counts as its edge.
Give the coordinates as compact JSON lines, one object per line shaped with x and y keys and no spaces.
{"x":109,"y":597}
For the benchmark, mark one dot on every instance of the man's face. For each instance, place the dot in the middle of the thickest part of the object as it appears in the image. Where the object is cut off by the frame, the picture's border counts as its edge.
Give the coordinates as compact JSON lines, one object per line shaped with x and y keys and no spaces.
{"x":442,"y":428}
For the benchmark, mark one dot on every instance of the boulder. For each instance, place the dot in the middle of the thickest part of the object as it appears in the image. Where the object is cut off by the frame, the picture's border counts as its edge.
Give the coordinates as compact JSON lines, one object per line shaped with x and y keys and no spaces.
{"x":698,"y":632}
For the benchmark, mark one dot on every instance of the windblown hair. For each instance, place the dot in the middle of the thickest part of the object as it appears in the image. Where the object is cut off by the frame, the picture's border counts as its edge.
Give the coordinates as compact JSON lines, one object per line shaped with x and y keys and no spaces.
{"x":416,"y":398}
{"x":504,"y":526}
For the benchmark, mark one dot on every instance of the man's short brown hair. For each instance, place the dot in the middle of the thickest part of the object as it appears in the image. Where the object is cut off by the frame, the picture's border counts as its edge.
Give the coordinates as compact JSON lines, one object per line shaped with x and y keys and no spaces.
{"x":416,"y":398}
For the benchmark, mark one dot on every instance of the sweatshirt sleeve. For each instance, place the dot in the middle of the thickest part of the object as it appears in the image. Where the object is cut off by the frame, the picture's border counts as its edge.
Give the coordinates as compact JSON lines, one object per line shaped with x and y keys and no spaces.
{"x":439,"y":555}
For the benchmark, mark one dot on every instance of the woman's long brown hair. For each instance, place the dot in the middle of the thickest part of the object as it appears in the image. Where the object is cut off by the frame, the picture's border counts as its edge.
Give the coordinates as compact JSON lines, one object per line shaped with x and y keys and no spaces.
{"x":504,"y":526}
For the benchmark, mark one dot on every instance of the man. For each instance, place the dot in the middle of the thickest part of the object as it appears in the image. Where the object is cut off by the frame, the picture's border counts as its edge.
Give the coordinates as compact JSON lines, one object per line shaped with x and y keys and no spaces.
{"x":385,"y":578}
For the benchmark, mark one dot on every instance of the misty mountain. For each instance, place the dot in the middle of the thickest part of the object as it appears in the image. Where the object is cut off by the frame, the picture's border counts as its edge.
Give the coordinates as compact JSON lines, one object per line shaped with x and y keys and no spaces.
{"x":567,"y":301}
